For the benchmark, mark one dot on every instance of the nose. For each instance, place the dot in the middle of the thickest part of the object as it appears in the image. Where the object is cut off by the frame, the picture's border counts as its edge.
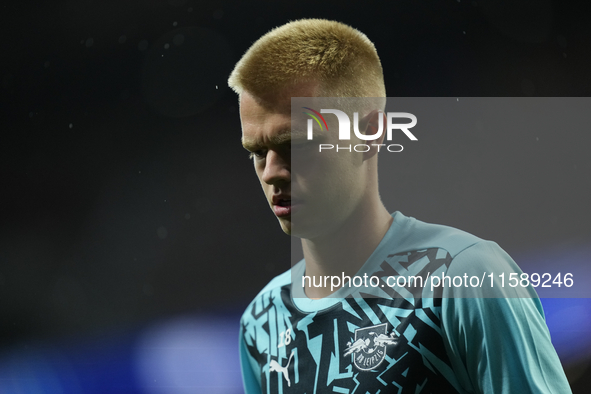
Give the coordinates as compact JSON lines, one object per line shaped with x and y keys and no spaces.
{"x":277,"y":169}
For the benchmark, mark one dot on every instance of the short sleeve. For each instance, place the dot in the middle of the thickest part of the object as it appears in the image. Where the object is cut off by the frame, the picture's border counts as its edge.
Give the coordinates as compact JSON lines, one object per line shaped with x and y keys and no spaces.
{"x":496,"y":336}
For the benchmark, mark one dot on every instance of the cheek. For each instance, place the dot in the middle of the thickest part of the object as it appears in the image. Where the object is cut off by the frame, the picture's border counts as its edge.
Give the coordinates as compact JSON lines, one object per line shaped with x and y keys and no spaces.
{"x":259,"y":173}
{"x":258,"y":169}
{"x":346,"y":179}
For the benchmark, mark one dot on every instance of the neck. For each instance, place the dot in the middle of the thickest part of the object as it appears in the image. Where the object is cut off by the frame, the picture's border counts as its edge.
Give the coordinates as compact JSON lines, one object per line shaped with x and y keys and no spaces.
{"x":345,"y":250}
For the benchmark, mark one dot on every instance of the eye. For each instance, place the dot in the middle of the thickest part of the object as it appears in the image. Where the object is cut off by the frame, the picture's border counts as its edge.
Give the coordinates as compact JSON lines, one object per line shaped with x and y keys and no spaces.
{"x":259,"y":154}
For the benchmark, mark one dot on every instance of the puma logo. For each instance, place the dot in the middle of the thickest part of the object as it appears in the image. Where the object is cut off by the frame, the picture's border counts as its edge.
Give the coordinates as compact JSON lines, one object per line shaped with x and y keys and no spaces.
{"x":274,"y":366}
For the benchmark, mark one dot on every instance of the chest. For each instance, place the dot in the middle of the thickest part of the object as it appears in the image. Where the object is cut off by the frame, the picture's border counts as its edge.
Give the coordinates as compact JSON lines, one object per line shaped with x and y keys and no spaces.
{"x":358,"y":345}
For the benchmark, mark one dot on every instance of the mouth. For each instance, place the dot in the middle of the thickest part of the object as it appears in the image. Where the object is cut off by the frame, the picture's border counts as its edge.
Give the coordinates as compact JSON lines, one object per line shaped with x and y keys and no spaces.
{"x":284,"y":202}
{"x":283,"y":207}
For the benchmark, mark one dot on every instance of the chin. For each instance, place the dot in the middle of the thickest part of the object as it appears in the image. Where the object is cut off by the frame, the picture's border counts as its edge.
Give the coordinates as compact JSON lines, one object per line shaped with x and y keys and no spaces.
{"x":301,"y":232}
{"x":285,"y":226}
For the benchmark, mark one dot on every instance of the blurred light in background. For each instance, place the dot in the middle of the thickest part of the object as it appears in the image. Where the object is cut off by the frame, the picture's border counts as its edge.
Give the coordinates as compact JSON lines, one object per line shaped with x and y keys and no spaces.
{"x":189,"y":355}
{"x":569,"y":321}
{"x":186,"y":354}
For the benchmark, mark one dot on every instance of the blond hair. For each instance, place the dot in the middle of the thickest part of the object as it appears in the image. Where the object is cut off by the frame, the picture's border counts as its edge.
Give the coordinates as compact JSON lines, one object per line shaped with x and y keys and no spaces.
{"x":342,"y":59}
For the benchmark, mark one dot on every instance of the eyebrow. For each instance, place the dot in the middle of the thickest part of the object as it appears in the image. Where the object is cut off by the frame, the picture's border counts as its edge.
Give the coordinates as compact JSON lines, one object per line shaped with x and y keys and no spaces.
{"x":282,"y":138}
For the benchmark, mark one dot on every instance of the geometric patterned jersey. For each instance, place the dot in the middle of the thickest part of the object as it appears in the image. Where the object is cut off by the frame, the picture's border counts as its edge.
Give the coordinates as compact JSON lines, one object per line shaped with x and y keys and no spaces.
{"x":404,"y":336}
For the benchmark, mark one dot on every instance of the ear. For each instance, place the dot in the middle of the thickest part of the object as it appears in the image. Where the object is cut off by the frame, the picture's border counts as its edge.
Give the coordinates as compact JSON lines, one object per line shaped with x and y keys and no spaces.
{"x":372,"y":122}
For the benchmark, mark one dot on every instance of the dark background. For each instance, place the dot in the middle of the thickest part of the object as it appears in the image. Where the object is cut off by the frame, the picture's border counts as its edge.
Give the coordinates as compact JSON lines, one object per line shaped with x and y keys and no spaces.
{"x":126,"y":196}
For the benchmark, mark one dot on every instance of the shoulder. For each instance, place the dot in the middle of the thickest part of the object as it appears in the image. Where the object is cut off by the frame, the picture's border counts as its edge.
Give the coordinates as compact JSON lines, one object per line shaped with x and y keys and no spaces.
{"x":268,"y":296}
{"x":418,"y":235}
{"x":464,"y":249}
{"x":275,"y":283}
{"x":462,"y":255}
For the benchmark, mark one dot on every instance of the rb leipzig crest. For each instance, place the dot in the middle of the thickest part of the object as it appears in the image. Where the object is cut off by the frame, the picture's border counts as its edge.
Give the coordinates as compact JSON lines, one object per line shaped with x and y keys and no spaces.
{"x":369,"y":347}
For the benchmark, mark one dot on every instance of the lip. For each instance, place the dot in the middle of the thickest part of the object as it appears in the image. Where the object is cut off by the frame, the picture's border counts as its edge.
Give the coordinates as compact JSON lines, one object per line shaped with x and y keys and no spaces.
{"x":282,"y":211}
{"x":284,"y":206}
{"x":278,"y":198}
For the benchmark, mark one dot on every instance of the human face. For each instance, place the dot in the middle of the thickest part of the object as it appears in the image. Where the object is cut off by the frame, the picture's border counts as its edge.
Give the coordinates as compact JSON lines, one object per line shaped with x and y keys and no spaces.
{"x":316,"y":191}
{"x":266,"y":133}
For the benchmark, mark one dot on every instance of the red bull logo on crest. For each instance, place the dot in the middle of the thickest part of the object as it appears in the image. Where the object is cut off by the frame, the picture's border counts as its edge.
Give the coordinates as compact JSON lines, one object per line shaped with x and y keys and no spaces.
{"x":369,"y":347}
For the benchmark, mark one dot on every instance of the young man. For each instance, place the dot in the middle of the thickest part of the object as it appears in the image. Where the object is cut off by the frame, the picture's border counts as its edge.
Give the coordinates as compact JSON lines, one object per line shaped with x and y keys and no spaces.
{"x":394,"y":337}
